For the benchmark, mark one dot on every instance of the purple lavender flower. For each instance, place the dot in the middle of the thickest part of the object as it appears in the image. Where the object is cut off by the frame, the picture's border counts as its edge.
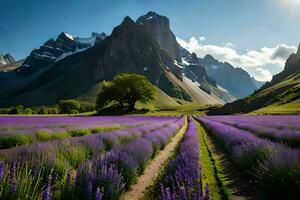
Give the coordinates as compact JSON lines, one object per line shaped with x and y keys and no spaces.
{"x":46,"y":194}
{"x":14,"y":186}
{"x":12,"y":170}
{"x":184,"y":169}
{"x":206,"y":196}
{"x":2,"y":170}
{"x":98,"y":194}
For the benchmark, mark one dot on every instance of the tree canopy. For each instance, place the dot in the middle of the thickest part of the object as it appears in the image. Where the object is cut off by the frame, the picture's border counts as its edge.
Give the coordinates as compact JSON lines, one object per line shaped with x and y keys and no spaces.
{"x":126,"y":89}
{"x":69,"y":106}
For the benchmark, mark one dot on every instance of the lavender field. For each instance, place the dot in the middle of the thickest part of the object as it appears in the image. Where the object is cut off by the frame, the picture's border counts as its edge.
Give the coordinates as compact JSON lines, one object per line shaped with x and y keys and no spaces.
{"x":104,"y":157}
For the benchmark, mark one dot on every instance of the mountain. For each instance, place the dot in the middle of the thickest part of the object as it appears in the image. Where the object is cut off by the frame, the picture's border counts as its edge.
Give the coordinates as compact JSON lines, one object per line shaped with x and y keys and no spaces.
{"x":257,"y":83}
{"x":159,"y":28}
{"x":54,"y":50}
{"x":129,"y":48}
{"x":6,"y":59}
{"x":196,"y":73}
{"x":73,"y":67}
{"x":236,"y":80}
{"x":280,"y":96}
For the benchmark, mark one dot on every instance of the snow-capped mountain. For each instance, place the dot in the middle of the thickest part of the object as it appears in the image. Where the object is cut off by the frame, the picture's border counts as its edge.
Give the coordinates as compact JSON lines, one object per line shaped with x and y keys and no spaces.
{"x":72,"y":67}
{"x":54,"y":50}
{"x":6,"y":59}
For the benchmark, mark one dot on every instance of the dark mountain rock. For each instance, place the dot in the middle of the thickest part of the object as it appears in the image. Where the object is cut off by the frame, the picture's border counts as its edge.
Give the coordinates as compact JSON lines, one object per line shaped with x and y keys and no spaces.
{"x":236,"y":80}
{"x":6,"y":59}
{"x":159,"y":27}
{"x":130,"y":48}
{"x":53,"y":50}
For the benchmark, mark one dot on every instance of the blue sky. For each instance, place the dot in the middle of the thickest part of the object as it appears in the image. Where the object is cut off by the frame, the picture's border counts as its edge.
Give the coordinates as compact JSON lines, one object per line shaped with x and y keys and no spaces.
{"x":240,"y":25}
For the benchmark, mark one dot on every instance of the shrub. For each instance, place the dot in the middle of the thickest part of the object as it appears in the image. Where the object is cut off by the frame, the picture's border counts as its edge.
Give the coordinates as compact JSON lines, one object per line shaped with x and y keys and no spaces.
{"x":43,"y":111}
{"x":28,"y":111}
{"x":52,"y":111}
{"x":69,"y":106}
{"x":17,"y":110}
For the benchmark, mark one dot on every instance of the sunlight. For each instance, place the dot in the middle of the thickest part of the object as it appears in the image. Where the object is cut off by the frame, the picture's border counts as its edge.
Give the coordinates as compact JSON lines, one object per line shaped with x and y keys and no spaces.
{"x":292,"y":5}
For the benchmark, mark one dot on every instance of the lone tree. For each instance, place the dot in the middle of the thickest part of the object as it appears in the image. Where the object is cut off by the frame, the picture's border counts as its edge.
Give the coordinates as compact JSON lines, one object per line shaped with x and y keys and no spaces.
{"x":126,"y":89}
{"x":69,"y":106}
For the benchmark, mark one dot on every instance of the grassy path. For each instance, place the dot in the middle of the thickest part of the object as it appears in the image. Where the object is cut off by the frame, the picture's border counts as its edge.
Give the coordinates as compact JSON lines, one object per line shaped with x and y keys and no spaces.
{"x":211,"y":168}
{"x":241,"y":187}
{"x":152,"y":170}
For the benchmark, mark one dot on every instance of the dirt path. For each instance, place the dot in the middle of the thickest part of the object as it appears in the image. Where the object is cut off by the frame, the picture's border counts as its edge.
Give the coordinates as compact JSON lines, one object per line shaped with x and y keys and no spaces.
{"x":154,"y":167}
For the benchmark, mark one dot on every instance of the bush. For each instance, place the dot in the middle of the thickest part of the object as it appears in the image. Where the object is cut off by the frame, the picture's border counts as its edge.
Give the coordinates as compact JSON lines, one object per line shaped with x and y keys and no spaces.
{"x":52,"y":111}
{"x":28,"y":111}
{"x":5,"y":111}
{"x":69,"y":106}
{"x":43,"y":111}
{"x":17,"y":110}
{"x":86,"y":107}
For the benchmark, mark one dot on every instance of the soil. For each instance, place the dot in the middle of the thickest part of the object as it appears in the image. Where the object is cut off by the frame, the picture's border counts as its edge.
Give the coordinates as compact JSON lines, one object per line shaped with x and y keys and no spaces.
{"x":151,"y":172}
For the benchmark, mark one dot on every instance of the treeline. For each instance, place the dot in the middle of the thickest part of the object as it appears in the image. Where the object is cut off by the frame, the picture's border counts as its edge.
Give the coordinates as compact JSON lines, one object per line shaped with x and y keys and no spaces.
{"x":69,"y":106}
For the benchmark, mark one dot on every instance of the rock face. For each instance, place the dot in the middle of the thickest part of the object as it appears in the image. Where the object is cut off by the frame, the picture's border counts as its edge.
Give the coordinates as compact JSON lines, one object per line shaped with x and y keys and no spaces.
{"x":130,"y":48}
{"x":159,"y":27}
{"x":6,"y":59}
{"x":236,"y":80}
{"x":53,"y":50}
{"x":70,"y":67}
{"x":194,"y":71}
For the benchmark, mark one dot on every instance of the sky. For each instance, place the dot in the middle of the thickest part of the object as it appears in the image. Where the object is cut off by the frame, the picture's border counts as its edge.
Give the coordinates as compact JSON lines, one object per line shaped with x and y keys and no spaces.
{"x":256,"y":35}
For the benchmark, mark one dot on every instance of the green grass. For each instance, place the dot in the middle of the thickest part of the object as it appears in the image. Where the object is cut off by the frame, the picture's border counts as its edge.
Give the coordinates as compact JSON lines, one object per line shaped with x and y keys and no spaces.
{"x":212,"y":169}
{"x":8,"y":141}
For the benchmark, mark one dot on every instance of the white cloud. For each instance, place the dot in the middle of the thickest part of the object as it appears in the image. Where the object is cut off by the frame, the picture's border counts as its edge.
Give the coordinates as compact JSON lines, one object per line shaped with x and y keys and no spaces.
{"x":202,"y":38}
{"x":230,"y":45}
{"x":262,"y":74}
{"x":253,"y":61}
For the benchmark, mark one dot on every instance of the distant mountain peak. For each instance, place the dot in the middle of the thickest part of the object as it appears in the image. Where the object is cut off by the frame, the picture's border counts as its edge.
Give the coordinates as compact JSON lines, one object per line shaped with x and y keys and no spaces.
{"x":127,"y":20}
{"x":159,"y":28}
{"x":6,"y":59}
{"x":209,"y":57}
{"x":67,"y":35}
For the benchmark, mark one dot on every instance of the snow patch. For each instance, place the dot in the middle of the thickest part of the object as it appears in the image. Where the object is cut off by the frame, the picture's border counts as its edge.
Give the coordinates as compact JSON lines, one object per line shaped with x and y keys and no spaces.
{"x":184,"y":61}
{"x":70,"y":53}
{"x":178,"y":64}
{"x":69,"y":36}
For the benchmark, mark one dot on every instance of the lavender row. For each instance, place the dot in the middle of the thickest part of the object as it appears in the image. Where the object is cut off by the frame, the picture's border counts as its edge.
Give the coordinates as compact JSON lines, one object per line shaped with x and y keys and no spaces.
{"x":273,"y":165}
{"x":285,"y":122}
{"x":10,"y":125}
{"x":115,"y":172}
{"x":182,"y":176}
{"x":55,"y":157}
{"x":283,"y":134}
{"x":39,"y":134}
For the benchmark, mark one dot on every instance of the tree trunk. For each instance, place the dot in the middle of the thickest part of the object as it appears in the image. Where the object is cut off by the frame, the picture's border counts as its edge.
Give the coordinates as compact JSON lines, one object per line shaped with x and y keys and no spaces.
{"x":131,"y":105}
